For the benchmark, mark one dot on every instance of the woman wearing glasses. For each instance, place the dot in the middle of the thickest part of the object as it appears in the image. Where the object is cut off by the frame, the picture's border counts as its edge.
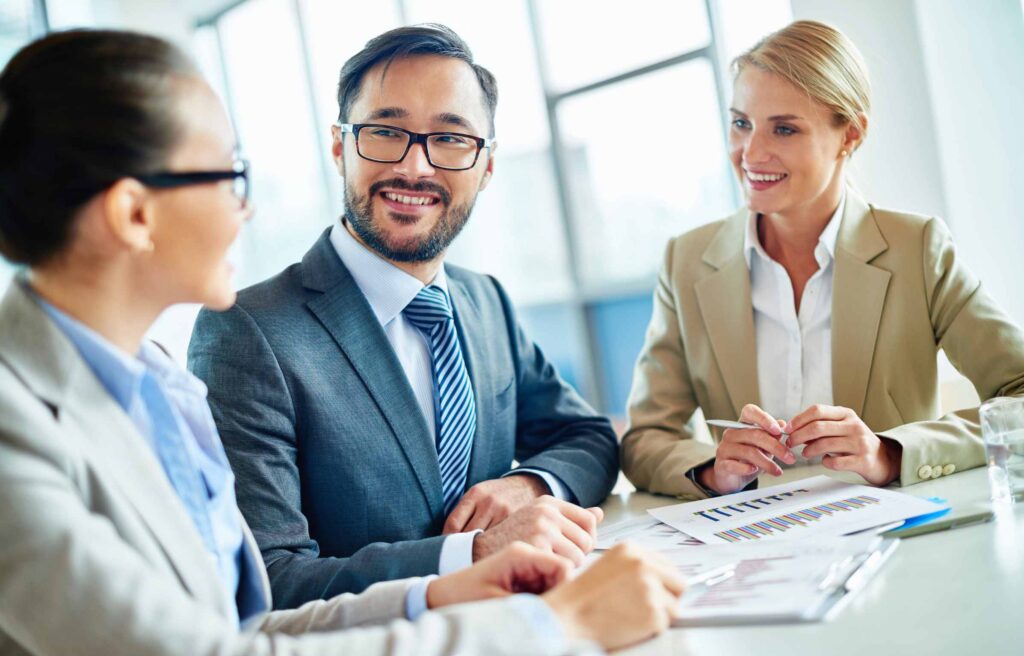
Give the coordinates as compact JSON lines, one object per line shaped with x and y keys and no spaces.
{"x":119,"y":532}
{"x":811,"y":312}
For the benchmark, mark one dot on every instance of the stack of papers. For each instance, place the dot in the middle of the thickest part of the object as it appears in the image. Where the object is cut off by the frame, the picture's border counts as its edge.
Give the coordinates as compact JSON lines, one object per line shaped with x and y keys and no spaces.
{"x":795,"y":552}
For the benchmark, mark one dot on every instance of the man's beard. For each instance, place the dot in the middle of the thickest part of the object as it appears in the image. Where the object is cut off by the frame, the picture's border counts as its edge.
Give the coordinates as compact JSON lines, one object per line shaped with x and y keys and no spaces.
{"x":359,"y":214}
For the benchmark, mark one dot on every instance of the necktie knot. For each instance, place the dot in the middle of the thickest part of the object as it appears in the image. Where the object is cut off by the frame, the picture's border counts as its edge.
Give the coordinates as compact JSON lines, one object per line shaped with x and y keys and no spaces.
{"x":429,"y":308}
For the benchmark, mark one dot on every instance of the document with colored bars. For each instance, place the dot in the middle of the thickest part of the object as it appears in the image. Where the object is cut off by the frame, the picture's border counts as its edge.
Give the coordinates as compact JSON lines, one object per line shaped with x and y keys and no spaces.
{"x":810,"y":507}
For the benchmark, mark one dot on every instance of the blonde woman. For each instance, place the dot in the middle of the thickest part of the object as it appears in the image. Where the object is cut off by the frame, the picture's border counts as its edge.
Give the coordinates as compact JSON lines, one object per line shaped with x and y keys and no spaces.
{"x":811,"y":311}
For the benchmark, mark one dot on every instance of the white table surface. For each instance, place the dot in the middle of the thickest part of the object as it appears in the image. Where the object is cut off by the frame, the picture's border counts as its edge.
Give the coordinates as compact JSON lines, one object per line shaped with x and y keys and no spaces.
{"x":958,"y":591}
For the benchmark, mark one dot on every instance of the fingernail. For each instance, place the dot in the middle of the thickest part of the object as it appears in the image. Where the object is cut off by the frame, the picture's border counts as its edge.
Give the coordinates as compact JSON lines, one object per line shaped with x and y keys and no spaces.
{"x":789,"y":457}
{"x":788,"y":427}
{"x":774,"y":429}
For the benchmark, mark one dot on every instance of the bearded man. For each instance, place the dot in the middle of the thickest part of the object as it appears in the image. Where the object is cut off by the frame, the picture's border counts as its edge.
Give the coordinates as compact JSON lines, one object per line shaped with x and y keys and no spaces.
{"x":373,"y":400}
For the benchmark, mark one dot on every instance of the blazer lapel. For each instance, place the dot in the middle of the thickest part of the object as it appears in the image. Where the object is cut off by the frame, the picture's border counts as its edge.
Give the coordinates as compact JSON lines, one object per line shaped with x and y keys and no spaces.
{"x":52,"y":368}
{"x":346,"y":315}
{"x":468,"y":323}
{"x":858,"y":296}
{"x":725,"y":307}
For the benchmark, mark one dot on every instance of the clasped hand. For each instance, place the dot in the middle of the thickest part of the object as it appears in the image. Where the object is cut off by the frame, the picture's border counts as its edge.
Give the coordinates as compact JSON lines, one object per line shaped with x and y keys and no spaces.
{"x":837,"y":434}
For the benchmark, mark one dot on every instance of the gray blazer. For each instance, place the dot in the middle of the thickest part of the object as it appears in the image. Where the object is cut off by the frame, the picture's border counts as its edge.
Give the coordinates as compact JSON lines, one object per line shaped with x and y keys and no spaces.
{"x":98,"y":556}
{"x":336,"y":469}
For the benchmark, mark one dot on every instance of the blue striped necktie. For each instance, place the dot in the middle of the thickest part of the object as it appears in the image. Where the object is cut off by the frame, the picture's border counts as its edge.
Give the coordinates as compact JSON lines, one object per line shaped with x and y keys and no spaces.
{"x":456,"y":416}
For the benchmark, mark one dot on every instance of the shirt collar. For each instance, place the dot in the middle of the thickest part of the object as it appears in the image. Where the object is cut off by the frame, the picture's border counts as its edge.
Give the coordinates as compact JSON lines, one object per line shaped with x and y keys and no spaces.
{"x":824,"y":252}
{"x":118,"y":372}
{"x":387,"y":288}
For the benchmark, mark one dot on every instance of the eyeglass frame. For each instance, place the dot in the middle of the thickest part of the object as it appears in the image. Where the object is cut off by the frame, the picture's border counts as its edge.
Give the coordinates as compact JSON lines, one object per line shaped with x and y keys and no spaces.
{"x":175,"y":179}
{"x":415,"y":138}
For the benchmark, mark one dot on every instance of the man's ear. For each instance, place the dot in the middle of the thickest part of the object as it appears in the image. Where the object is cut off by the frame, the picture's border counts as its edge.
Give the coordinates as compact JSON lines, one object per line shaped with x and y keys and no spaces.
{"x":338,"y":149}
{"x":489,"y":171}
{"x":128,"y":214}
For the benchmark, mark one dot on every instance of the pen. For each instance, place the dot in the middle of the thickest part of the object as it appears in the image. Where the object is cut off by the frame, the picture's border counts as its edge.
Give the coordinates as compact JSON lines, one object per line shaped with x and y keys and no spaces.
{"x":712,"y":576}
{"x":741,"y":425}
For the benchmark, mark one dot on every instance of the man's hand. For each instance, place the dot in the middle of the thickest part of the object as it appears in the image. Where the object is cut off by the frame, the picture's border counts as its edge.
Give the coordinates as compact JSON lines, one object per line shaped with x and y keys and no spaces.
{"x":627,"y":596}
{"x":488,"y":503}
{"x":547,"y":523}
{"x":846,"y":443}
{"x":744,"y":454}
{"x":516,"y":568}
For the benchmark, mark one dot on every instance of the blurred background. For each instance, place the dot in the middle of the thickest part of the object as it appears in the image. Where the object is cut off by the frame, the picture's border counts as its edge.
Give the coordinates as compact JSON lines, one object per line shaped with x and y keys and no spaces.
{"x":575,"y":221}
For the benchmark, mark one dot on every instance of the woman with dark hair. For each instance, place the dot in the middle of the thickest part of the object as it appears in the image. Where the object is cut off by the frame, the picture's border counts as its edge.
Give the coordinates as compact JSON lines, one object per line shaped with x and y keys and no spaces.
{"x":119,"y":532}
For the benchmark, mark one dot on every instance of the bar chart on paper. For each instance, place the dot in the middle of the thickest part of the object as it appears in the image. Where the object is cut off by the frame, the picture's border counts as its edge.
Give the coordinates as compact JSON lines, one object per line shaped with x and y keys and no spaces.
{"x":814,"y":506}
{"x":796,"y":519}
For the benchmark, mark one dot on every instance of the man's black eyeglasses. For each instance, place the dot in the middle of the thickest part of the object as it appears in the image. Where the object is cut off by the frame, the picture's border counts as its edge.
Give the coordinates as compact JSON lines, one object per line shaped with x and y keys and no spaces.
{"x":451,"y":151}
{"x":239,"y":175}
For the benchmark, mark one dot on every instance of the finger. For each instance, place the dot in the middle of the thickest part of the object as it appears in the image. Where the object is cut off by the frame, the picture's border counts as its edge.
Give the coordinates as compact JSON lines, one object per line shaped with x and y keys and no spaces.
{"x":818,"y":429}
{"x":585,"y":518}
{"x":734,"y":467}
{"x":752,"y":414}
{"x":566,"y":548}
{"x":769,"y":444}
{"x":816,"y":412}
{"x":836,"y":445}
{"x":841,"y":463}
{"x":579,"y":536}
{"x":483,"y":519}
{"x":460,"y":515}
{"x":753,"y":456}
{"x":597,"y":513}
{"x":667,"y":573}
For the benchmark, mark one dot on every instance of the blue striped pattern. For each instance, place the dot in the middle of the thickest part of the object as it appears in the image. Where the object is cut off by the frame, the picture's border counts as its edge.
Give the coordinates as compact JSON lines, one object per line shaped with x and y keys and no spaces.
{"x":456,"y":420}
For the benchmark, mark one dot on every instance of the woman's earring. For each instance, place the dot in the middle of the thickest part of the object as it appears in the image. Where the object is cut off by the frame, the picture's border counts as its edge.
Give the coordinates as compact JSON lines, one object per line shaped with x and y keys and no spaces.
{"x":843,"y":153}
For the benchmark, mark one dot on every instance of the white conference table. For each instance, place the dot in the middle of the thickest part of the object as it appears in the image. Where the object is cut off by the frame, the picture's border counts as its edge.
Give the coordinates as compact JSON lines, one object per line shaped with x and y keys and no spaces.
{"x":957,"y":591}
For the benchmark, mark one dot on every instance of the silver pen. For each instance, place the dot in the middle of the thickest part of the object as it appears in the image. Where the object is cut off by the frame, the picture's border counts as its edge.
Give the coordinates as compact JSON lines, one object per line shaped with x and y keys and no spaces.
{"x":740,"y":425}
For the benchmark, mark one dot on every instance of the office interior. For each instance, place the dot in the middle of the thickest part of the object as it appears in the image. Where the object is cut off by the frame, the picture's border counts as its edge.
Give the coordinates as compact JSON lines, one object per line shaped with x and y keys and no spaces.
{"x":612,"y":138}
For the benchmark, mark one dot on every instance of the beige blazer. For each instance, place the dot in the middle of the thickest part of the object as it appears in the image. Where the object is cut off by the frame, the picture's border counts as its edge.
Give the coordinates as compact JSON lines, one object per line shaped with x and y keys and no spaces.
{"x":899,"y":294}
{"x":98,"y":556}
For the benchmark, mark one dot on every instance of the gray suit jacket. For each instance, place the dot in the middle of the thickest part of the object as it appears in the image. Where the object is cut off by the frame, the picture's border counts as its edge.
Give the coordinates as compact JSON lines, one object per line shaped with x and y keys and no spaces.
{"x":98,"y":555}
{"x":337,"y":471}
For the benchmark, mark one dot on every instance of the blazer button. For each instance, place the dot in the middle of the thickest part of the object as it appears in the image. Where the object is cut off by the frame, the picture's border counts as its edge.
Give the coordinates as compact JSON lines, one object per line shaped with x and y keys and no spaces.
{"x":925,"y":472}
{"x":936,"y":471}
{"x":948,"y":469}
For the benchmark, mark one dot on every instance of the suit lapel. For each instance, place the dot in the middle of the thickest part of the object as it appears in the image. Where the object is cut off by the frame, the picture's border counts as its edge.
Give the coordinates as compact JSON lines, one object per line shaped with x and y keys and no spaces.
{"x":52,"y":368}
{"x":468,"y":323}
{"x":725,"y":307}
{"x":346,"y":315}
{"x":858,"y":296}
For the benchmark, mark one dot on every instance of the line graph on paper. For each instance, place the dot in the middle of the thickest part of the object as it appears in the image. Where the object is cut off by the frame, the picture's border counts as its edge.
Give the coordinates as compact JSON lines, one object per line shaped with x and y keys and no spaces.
{"x":796,"y":519}
{"x":812,"y":506}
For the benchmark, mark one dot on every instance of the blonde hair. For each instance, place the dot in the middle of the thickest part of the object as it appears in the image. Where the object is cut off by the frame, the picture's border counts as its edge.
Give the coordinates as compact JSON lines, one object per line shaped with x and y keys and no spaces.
{"x":820,"y":60}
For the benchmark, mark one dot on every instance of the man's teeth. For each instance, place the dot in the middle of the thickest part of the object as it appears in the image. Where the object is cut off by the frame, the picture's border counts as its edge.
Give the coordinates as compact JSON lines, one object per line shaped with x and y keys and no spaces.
{"x":409,"y":200}
{"x":765,"y":177}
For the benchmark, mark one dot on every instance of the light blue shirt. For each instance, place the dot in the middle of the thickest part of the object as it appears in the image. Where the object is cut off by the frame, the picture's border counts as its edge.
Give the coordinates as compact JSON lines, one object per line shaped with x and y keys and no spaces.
{"x":149,"y":388}
{"x":388,"y":290}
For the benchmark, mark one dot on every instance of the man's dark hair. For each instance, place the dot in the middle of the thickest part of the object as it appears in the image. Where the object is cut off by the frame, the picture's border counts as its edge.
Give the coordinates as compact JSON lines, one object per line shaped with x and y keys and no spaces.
{"x":80,"y":110}
{"x":410,"y":41}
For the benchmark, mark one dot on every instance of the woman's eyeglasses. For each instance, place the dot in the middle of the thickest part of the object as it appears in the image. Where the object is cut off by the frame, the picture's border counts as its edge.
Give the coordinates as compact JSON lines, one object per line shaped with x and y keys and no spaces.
{"x":239,"y":176}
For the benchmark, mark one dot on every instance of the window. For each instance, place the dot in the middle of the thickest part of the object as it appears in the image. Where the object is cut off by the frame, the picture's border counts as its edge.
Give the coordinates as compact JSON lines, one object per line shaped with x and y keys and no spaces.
{"x":611,"y":139}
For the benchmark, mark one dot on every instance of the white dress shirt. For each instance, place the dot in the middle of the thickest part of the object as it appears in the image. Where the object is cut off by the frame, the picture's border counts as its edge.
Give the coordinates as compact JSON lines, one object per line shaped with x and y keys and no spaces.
{"x":794,"y":349}
{"x":389,"y":290}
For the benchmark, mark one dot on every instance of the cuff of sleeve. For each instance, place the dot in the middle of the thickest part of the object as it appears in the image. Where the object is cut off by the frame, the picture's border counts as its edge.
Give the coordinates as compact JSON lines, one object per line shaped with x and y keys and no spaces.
{"x":456,"y":552}
{"x":416,"y":597}
{"x":543,"y":621}
{"x":555,"y":484}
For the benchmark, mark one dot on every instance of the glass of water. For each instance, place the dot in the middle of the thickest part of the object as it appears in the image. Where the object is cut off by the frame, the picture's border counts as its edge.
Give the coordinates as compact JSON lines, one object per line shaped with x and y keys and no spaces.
{"x":1002,"y":427}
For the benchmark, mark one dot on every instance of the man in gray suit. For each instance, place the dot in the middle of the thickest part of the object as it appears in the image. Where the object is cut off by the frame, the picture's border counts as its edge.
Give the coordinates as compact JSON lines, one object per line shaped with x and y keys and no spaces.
{"x":372,"y":398}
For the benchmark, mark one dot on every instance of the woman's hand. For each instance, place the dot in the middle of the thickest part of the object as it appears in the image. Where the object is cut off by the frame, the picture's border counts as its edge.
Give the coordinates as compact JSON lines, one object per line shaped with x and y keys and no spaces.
{"x":744,"y":454}
{"x":519,"y":567}
{"x":846,"y":443}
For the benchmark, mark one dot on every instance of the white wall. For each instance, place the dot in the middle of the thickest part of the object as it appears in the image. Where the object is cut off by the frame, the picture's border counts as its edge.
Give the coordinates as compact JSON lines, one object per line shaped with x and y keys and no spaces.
{"x":947,"y":78}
